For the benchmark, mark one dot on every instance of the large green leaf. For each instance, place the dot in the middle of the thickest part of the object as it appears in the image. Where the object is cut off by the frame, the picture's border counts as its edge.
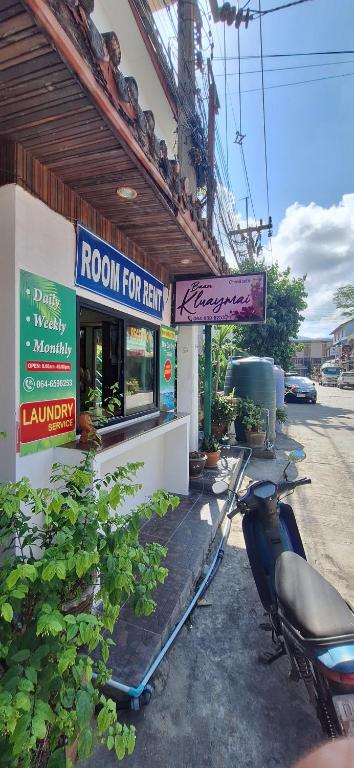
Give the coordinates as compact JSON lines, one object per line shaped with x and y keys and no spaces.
{"x":84,"y":709}
{"x":85,"y":743}
{"x":7,"y":612}
{"x":57,"y":759}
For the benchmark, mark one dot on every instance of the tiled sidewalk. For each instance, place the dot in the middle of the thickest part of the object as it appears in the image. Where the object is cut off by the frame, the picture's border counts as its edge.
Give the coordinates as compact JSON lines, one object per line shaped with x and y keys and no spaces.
{"x":187,"y":532}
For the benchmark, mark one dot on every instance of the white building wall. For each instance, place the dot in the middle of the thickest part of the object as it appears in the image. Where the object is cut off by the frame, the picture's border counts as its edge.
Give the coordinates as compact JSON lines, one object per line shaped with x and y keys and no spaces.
{"x":116,"y":15}
{"x":187,"y":382}
{"x":34,"y":238}
{"x":8,"y":340}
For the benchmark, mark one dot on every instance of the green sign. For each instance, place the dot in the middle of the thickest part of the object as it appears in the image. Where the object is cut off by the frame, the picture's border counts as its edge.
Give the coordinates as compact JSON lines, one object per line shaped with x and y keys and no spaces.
{"x":167,"y":368}
{"x":47,"y":363}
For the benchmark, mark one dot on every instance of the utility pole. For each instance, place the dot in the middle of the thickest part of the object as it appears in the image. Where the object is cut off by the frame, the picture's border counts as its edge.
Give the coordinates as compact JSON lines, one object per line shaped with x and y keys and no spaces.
{"x":213,"y":108}
{"x":186,"y":87}
{"x":250,"y":236}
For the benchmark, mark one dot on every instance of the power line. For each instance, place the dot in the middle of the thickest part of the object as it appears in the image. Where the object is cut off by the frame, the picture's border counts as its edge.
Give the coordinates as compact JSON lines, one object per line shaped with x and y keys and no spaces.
{"x":297,"y":82}
{"x":280,"y":7}
{"x":284,"y":69}
{"x":263,"y":109}
{"x":239,"y":80}
{"x":285,"y":55}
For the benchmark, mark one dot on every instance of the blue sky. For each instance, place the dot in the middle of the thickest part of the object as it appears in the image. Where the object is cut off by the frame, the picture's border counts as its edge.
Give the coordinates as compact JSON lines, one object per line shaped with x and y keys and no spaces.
{"x":310,"y":131}
{"x":310,"y":127}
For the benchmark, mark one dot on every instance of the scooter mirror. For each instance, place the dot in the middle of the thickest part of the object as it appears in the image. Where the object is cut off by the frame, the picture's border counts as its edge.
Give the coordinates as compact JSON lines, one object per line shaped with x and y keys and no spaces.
{"x":219,"y":487}
{"x":297,"y":455}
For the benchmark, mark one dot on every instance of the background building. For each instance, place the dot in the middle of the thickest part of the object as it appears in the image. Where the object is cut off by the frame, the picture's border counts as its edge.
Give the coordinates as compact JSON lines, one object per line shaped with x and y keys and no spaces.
{"x":310,"y":353}
{"x":343,"y":342}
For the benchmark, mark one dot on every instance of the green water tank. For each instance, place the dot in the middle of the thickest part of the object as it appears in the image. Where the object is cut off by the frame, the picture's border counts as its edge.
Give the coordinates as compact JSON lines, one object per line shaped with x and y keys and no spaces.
{"x":253,"y":377}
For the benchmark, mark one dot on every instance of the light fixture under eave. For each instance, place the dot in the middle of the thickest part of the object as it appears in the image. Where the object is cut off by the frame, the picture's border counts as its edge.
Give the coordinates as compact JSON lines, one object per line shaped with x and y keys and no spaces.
{"x":127,"y":193}
{"x":186,"y":261}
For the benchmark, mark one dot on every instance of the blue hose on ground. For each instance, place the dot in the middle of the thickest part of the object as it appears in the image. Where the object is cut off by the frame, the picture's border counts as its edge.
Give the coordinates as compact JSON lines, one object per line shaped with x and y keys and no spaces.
{"x":135,"y":693}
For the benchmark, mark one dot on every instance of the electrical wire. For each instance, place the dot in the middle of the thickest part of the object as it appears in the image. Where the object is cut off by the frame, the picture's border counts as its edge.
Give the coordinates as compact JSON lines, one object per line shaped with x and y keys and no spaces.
{"x":280,"y":7}
{"x":283,"y":69}
{"x":298,"y":82}
{"x":239,"y":79}
{"x":264,"y":110}
{"x":285,"y":55}
{"x":226,"y":108}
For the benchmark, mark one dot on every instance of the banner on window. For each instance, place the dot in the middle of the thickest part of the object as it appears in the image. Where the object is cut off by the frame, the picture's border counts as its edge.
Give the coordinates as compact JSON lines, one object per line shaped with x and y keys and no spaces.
{"x":227,"y":299}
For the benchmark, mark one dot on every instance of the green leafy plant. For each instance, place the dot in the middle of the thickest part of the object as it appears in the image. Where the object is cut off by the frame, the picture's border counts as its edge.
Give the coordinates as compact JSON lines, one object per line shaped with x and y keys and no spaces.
{"x":132,"y":386}
{"x":281,"y":415}
{"x":100,"y":414}
{"x":223,"y":410}
{"x":210,"y":445}
{"x":196,"y":455}
{"x":251,"y":415}
{"x":56,"y":540}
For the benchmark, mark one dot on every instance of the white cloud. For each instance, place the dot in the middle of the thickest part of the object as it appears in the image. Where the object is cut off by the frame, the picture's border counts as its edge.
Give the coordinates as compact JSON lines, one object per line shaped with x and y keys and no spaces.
{"x":318,"y":242}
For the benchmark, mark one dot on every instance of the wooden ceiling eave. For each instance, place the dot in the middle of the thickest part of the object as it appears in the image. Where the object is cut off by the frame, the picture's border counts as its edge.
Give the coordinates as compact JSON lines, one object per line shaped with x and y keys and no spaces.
{"x":47,"y":22}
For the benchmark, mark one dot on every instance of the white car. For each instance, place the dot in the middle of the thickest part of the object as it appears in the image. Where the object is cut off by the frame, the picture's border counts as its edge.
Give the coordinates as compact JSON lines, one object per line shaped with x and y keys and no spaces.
{"x":346,"y":379}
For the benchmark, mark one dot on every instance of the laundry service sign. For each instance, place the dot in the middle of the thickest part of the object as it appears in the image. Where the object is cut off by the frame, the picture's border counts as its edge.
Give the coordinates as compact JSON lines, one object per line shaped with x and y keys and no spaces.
{"x":102,"y":269}
{"x":47,"y":363}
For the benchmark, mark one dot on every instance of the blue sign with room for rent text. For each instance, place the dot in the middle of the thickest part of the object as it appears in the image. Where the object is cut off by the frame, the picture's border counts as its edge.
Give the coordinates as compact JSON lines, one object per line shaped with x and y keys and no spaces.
{"x":102,"y":269}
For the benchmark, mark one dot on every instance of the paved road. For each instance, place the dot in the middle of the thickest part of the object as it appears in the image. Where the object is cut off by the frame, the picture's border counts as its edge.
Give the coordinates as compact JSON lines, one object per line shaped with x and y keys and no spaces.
{"x":325,"y":510}
{"x":214,"y":704}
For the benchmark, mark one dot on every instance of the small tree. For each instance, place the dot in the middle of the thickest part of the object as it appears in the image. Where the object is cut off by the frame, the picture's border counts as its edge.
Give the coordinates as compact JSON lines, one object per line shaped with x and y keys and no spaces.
{"x":57,"y":541}
{"x":285,"y":302}
{"x":344,"y":299}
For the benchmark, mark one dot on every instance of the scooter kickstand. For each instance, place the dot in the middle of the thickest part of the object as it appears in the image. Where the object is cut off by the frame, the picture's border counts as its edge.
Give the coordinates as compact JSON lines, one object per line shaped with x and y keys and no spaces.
{"x":269,"y":658}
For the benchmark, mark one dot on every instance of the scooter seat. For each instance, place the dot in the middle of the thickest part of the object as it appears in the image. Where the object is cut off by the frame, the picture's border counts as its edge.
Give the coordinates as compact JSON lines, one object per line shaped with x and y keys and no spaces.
{"x":309,"y":602}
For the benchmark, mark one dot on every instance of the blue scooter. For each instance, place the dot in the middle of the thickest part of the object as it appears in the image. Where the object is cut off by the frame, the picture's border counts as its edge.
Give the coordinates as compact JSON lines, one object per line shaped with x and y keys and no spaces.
{"x":310,"y":622}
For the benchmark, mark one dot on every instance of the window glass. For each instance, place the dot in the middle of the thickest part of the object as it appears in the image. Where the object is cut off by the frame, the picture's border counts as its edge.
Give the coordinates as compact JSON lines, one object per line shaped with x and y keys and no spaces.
{"x":101,"y":355}
{"x":140,"y":385}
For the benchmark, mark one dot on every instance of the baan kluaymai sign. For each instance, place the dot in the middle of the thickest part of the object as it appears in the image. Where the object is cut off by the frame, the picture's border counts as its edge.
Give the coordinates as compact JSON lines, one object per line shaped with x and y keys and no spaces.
{"x":47,"y":363}
{"x":102,"y":269}
{"x":227,"y":299}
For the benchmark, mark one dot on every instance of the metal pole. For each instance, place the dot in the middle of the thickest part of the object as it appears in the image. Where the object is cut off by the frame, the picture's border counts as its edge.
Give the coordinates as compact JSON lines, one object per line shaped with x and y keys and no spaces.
{"x":207,"y":382}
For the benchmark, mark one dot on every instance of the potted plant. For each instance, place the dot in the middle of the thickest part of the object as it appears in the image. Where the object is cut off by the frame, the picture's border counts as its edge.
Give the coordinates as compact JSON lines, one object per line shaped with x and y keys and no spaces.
{"x":53,"y":540}
{"x":211,"y":447}
{"x":251,"y":415}
{"x":281,"y":418}
{"x":223,"y":410}
{"x":96,"y":416}
{"x":197,"y":461}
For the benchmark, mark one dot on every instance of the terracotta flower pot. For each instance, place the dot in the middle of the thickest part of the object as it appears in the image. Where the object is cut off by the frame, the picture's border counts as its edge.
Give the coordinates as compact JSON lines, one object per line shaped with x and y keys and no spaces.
{"x":212,"y":459}
{"x":88,"y":434}
{"x":196,"y":466}
{"x":255,"y":439}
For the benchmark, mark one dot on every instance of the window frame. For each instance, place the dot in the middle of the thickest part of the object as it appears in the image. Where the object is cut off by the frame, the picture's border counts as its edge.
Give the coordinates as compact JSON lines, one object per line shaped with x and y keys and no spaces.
{"x":82,"y":302}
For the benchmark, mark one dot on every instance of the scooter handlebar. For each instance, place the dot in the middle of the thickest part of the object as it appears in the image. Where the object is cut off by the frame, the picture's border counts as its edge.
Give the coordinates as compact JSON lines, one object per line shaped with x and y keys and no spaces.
{"x":282,"y":486}
{"x":289,"y":485}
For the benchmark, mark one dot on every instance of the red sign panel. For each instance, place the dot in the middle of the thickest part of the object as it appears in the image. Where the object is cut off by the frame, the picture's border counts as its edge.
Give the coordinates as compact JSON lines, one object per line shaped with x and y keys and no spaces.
{"x":44,"y":365}
{"x":46,"y":418}
{"x":167,"y":370}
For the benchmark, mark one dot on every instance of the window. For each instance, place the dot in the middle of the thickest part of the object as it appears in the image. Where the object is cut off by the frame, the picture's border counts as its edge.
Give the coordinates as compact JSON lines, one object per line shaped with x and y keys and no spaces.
{"x":307,"y":350}
{"x":140,"y":378}
{"x":113,"y":350}
{"x":101,"y":354}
